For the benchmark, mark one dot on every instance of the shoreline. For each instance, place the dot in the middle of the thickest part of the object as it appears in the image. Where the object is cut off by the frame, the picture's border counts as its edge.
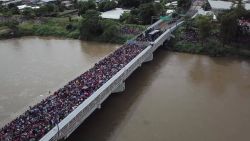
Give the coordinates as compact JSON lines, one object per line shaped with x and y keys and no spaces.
{"x":213,"y":52}
{"x":59,"y":38}
{"x":210,"y":51}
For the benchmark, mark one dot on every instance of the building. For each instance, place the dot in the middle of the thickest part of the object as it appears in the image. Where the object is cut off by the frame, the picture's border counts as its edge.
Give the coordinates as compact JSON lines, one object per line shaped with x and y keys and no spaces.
{"x":114,"y":14}
{"x":219,"y":5}
{"x":7,"y":2}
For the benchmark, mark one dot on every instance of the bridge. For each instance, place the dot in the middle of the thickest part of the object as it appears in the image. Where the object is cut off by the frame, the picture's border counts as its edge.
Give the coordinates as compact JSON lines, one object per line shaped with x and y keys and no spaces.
{"x":114,"y":85}
{"x":64,"y":125}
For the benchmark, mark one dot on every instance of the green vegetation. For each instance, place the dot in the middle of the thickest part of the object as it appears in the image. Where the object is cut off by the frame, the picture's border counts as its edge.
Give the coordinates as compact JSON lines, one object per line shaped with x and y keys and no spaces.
{"x":96,"y":29}
{"x":132,"y":3}
{"x":90,"y":25}
{"x":9,"y":10}
{"x":224,"y":37}
{"x":143,"y":14}
{"x":212,"y":47}
{"x":193,"y":39}
{"x":204,"y":24}
{"x":93,"y":27}
{"x":54,"y":19}
{"x":184,"y":5}
{"x":59,"y":27}
{"x":83,"y":6}
{"x":5,"y":32}
{"x":106,"y":5}
{"x":230,"y":29}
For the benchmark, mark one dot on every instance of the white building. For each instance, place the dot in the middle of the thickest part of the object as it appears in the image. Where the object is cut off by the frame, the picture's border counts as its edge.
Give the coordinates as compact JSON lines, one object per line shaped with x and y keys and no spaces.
{"x":7,"y":2}
{"x":114,"y":14}
{"x":219,"y":5}
{"x":21,"y":7}
{"x":174,"y":4}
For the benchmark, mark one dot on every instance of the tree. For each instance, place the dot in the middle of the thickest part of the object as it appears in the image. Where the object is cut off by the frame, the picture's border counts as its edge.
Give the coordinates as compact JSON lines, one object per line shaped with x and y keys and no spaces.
{"x":228,"y":28}
{"x":13,"y":8}
{"x":206,"y":6}
{"x":146,"y":11}
{"x":238,"y":8}
{"x":28,"y":12}
{"x":129,"y":3}
{"x":106,"y":5}
{"x":111,"y":30}
{"x":133,"y":3}
{"x":143,"y":14}
{"x":188,"y":22}
{"x":60,"y":6}
{"x":184,"y":4}
{"x":90,"y":25}
{"x":159,"y":9}
{"x":129,"y":18}
{"x":204,"y":26}
{"x":146,"y":1}
{"x":83,"y":6}
{"x":13,"y":25}
{"x":47,"y":10}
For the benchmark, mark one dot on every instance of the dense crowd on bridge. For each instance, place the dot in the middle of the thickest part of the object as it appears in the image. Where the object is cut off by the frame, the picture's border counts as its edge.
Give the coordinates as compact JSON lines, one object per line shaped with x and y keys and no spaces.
{"x":41,"y":118}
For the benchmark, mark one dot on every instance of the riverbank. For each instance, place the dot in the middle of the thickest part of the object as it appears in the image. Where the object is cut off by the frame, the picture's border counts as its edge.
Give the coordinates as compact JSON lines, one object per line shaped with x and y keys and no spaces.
{"x":212,"y":46}
{"x":66,"y":28}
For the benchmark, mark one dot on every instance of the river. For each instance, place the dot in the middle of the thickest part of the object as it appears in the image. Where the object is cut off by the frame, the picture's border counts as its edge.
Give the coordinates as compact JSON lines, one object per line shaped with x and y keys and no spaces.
{"x":175,"y":97}
{"x":33,"y":66}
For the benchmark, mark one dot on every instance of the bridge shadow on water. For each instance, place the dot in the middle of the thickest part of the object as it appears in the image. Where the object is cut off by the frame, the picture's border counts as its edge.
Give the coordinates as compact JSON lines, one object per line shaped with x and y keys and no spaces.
{"x":100,"y":125}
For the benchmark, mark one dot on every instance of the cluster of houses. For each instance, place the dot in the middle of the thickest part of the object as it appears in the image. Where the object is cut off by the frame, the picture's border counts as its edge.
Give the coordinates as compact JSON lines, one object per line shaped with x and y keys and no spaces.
{"x":218,"y":6}
{"x":34,"y":4}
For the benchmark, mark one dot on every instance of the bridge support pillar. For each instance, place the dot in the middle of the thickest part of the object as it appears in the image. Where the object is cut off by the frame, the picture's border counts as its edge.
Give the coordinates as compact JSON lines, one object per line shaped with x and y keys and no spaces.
{"x":120,"y":88}
{"x":99,"y":106}
{"x":150,"y":58}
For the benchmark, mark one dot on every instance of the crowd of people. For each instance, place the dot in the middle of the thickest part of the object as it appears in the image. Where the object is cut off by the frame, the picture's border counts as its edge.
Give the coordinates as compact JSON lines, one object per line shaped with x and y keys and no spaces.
{"x":41,"y":118}
{"x":130,"y":30}
{"x":245,"y":24}
{"x":190,"y":36}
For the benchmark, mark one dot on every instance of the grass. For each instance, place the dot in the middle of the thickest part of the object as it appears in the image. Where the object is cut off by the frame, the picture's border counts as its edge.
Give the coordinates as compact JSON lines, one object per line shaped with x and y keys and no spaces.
{"x":4,"y":32}
{"x":53,"y":27}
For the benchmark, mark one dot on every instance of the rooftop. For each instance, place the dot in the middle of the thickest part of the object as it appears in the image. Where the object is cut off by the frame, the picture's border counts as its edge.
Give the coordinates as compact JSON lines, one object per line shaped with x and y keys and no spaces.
{"x":224,"y":5}
{"x":113,"y":14}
